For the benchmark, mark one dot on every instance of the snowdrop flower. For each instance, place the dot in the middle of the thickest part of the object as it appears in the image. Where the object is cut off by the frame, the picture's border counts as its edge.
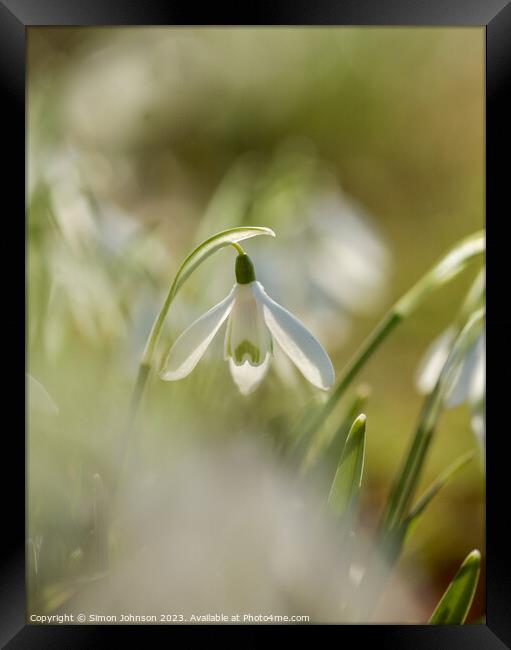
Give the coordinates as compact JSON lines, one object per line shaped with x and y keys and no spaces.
{"x":254,"y":321}
{"x":341,"y":261}
{"x":468,"y":383}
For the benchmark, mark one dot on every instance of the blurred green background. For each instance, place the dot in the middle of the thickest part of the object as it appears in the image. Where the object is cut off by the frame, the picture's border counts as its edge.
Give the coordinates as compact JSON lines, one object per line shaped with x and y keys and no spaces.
{"x":142,"y":142}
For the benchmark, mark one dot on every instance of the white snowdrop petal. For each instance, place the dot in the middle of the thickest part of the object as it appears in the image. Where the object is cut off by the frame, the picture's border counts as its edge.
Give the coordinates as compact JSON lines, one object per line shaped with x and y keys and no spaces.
{"x":296,"y":341}
{"x":478,"y":424}
{"x":247,"y":377}
{"x":191,"y":345}
{"x":247,"y":336}
{"x":478,"y":382}
{"x":460,"y":388}
{"x":433,"y":362}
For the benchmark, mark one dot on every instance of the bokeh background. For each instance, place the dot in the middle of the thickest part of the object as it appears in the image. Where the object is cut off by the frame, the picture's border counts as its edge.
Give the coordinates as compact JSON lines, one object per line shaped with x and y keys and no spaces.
{"x":362,"y":148}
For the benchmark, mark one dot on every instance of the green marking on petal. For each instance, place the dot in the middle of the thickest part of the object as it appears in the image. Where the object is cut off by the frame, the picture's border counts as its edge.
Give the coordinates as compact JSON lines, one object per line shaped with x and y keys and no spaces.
{"x":247,"y":348}
{"x":227,"y":345}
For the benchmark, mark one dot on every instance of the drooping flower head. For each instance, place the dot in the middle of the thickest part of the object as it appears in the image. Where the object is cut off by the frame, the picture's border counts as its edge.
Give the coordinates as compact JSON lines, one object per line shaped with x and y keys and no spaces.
{"x":254,"y":323}
{"x":468,"y":383}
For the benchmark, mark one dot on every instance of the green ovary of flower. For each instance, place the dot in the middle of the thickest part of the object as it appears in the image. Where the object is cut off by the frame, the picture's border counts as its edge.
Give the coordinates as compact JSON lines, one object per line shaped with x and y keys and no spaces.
{"x":247,"y":349}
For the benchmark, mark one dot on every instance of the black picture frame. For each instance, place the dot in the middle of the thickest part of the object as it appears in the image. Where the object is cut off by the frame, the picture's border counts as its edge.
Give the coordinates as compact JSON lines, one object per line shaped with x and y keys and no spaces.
{"x":495,"y":16}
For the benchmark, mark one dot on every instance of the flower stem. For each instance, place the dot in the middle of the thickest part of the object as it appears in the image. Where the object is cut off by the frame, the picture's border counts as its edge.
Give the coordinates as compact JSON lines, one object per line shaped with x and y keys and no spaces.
{"x":238,"y":248}
{"x":144,"y":369}
{"x":373,"y":341}
{"x":407,"y":480}
{"x":136,"y":396}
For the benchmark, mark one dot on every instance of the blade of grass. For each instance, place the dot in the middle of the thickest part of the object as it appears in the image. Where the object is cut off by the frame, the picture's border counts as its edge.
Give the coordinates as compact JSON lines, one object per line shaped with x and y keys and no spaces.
{"x":325,"y":450}
{"x":453,"y":607}
{"x":434,"y":489}
{"x":348,"y":478}
{"x":395,"y":540}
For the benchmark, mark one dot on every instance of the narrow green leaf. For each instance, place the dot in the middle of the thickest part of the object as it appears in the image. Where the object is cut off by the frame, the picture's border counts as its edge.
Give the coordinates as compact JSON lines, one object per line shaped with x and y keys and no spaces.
{"x":348,"y":478}
{"x":336,"y":443}
{"x":325,"y":447}
{"x":446,"y":269}
{"x":434,"y":489}
{"x":393,"y":541}
{"x":454,"y":605}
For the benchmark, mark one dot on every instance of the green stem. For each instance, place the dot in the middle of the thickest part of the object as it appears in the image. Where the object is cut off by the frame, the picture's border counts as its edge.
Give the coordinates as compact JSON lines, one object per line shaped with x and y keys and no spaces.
{"x":154,"y":335}
{"x":406,"y":483}
{"x":404,"y":488}
{"x":437,"y":485}
{"x":144,"y":369}
{"x":238,"y":248}
{"x":372,"y":342}
{"x":136,"y":396}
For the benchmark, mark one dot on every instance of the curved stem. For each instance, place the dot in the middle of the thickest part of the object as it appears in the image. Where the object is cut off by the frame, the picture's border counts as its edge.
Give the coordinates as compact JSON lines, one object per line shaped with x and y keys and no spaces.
{"x":147,"y":360}
{"x":238,"y":248}
{"x":203,"y":251}
{"x":154,"y":335}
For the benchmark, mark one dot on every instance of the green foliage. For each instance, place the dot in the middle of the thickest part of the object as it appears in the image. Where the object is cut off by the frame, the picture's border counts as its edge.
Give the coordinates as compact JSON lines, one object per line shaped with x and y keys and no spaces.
{"x":418,"y":509}
{"x":408,"y":476}
{"x":393,"y":541}
{"x":348,"y":478}
{"x":454,"y":605}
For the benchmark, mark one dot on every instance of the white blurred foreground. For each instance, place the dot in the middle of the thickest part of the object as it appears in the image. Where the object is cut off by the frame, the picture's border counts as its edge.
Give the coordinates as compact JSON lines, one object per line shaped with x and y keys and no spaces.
{"x":224,"y":532}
